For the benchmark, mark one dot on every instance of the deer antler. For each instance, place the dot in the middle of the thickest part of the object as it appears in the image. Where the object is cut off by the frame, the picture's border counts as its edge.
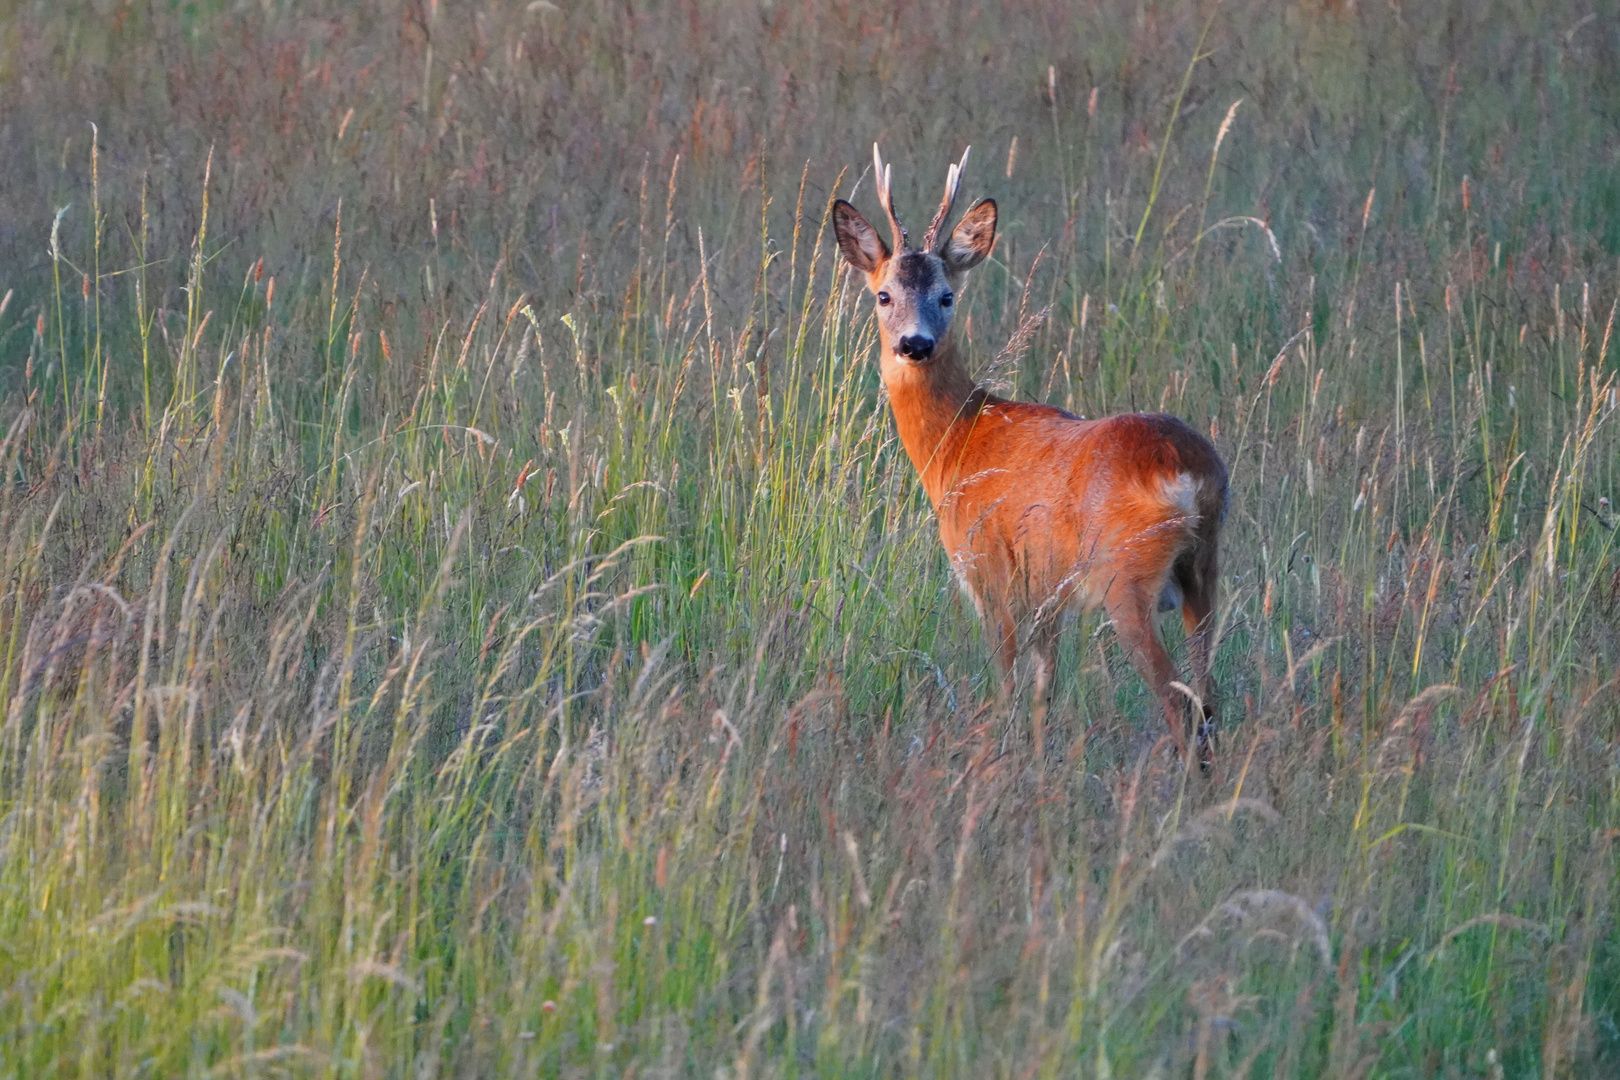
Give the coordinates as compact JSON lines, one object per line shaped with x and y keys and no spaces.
{"x":953,"y":177}
{"x":902,"y":242}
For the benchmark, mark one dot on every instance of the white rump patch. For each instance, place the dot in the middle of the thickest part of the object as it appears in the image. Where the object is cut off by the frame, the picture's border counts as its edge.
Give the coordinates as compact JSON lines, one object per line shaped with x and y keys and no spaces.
{"x":1181,"y":492}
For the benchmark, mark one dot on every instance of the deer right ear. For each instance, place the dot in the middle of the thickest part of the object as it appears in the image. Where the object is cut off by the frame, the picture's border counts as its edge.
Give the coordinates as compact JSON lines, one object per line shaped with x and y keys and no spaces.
{"x":859,"y":242}
{"x":972,"y":239}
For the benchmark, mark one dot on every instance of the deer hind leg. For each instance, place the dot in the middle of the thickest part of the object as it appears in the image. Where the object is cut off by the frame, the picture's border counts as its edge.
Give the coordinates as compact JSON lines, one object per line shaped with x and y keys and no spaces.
{"x":1197,"y":577}
{"x":1131,"y":609}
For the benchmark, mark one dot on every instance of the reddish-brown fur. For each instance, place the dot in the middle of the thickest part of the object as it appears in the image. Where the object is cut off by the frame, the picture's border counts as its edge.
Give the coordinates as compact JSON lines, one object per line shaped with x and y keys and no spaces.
{"x":1042,"y":512}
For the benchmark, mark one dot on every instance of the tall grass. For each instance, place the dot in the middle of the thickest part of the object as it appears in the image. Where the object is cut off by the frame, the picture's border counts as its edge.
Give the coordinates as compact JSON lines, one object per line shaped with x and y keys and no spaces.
{"x":465,"y":611}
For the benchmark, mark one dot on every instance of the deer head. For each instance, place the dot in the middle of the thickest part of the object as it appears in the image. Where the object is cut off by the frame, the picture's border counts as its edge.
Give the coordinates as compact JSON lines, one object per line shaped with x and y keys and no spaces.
{"x":915,"y":288}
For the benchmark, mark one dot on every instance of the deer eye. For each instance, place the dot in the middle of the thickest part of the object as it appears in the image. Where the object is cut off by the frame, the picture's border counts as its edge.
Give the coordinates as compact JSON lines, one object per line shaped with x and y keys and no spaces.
{"x":883,"y":298}
{"x":947,"y":300}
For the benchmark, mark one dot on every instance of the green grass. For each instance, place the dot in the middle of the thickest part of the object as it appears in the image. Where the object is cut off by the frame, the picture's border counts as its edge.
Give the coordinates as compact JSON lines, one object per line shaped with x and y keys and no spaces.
{"x":465,"y":612}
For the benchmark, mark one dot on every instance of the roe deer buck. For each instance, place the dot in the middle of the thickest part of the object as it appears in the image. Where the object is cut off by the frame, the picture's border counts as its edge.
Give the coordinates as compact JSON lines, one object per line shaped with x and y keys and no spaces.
{"x":1039,"y":510}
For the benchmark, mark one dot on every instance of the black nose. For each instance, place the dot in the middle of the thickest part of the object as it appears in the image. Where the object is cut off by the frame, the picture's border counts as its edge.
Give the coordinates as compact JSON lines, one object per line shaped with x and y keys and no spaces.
{"x":916,"y":347}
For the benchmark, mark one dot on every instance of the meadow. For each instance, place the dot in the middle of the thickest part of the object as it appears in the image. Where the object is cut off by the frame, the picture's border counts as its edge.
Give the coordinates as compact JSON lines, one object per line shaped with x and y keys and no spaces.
{"x":464,"y":611}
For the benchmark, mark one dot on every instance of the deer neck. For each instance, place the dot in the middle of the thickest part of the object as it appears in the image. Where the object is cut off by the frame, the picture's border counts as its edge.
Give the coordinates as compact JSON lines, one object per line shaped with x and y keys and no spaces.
{"x":935,"y":404}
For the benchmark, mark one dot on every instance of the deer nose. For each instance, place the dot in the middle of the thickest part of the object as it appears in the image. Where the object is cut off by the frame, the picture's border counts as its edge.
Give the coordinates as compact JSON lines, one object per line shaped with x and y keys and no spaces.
{"x":916,"y":347}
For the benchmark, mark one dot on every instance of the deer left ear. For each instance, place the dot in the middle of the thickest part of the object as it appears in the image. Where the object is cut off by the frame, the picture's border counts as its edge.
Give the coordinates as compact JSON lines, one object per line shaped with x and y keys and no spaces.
{"x":972,"y":238}
{"x":859,"y":242}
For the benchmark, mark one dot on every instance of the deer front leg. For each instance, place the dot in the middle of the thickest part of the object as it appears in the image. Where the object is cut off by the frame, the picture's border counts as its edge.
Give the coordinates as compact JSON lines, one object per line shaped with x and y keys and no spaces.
{"x":1043,"y":657}
{"x":1004,"y":629}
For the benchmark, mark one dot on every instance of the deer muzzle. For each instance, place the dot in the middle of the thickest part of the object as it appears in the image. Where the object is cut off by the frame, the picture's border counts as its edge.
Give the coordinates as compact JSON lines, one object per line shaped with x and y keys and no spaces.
{"x":916,"y":347}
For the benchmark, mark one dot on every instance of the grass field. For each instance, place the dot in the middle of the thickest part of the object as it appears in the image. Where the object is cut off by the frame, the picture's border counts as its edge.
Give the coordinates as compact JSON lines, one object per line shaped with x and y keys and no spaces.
{"x":464,"y":611}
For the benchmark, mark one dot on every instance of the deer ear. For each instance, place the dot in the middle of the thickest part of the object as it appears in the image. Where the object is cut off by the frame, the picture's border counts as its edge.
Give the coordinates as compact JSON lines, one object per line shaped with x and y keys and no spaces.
{"x":972,"y":238}
{"x":859,"y":242}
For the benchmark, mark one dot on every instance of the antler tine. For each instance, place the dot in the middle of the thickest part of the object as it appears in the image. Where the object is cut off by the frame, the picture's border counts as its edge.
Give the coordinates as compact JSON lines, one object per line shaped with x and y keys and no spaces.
{"x":884,"y":174}
{"x":953,"y":178}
